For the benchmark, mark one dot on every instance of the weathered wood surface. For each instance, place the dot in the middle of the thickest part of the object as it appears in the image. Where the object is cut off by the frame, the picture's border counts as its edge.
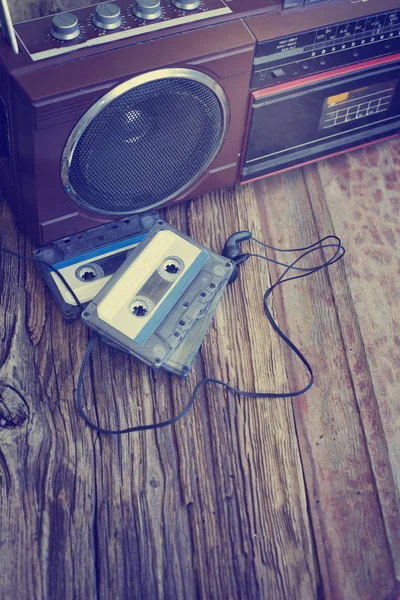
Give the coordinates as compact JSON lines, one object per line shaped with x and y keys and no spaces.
{"x":348,"y":425}
{"x":242,"y":498}
{"x":215,"y":505}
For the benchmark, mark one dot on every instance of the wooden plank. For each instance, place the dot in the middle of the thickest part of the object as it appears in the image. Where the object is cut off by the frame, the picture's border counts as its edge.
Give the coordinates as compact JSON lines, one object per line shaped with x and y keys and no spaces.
{"x":343,"y":444}
{"x":214,"y":506}
{"x":211,"y":473}
{"x":367,"y":210}
{"x":46,"y":464}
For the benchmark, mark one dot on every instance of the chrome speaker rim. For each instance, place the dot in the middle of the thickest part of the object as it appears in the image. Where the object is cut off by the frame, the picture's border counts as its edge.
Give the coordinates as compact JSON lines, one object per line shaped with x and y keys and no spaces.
{"x":116,"y":92}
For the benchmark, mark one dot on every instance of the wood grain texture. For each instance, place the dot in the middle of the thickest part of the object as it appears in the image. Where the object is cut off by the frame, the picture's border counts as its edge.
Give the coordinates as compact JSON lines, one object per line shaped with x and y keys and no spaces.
{"x":348,"y":423}
{"x":243,"y":498}
{"x":214,"y":506}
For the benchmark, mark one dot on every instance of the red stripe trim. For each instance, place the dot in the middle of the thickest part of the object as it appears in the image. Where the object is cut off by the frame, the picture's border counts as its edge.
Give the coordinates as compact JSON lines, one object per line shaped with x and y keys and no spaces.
{"x":276,"y":89}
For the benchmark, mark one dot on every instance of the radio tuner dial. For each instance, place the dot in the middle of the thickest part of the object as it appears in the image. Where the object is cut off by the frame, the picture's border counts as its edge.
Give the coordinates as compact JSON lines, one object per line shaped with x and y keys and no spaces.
{"x":107,"y":16}
{"x":65,"y":26}
{"x":147,"y":9}
{"x":186,"y":4}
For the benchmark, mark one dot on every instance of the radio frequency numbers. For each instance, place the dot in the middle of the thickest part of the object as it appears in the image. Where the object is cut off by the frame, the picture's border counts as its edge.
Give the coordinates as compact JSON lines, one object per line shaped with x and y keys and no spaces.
{"x":349,"y":44}
{"x":354,"y":33}
{"x":336,"y":37}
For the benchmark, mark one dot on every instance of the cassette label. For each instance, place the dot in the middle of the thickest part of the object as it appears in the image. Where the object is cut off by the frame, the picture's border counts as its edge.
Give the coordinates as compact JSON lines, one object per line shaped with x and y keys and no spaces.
{"x":89,"y":275}
{"x":142,"y":298}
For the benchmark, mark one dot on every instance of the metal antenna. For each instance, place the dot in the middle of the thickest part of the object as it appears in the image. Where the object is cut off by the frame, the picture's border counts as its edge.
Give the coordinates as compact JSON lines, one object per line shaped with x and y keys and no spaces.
{"x":7,"y":26}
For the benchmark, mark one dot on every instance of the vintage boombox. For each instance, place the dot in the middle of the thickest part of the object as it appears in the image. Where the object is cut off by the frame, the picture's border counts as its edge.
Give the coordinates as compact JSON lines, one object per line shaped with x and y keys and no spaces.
{"x":117,"y":108}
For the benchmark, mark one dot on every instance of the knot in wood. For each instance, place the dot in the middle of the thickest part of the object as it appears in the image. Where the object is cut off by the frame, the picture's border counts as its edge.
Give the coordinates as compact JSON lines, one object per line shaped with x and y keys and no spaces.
{"x":14,"y":411}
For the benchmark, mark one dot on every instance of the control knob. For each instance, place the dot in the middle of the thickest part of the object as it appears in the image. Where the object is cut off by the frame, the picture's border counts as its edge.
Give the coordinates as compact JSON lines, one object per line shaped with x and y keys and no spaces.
{"x":107,"y":16}
{"x":65,"y":26}
{"x":147,"y":9}
{"x":186,"y":4}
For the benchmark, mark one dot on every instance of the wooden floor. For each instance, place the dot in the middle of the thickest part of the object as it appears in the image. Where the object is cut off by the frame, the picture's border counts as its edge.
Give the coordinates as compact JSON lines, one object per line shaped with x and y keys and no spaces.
{"x":242,"y":498}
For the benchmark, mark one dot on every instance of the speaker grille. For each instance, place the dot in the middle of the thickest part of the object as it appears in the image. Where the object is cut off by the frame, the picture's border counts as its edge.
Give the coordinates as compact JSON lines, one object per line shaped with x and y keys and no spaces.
{"x":146,"y":145}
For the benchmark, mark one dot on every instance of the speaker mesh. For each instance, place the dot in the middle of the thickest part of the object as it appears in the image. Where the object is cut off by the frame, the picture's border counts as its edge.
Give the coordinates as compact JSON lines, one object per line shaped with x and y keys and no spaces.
{"x":146,"y":145}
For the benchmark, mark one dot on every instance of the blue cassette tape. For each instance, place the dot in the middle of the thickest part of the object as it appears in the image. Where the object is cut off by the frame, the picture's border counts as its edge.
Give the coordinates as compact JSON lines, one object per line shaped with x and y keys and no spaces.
{"x":88,"y":260}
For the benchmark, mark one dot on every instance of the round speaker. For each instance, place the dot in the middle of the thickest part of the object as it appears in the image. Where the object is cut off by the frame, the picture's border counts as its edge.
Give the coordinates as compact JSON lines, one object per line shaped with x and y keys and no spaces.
{"x":145,"y":142}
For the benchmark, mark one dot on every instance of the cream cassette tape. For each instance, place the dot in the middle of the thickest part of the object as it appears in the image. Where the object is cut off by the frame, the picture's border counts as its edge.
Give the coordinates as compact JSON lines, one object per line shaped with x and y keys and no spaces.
{"x":167,"y":285}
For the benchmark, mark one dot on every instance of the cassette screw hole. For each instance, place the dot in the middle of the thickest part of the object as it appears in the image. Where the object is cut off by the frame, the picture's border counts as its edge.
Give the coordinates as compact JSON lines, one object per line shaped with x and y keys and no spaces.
{"x":186,"y":304}
{"x":157,"y":361}
{"x":181,"y":323}
{"x":202,"y":294}
{"x":127,"y":221}
{"x":212,"y":285}
{"x":139,"y":309}
{"x":67,"y":241}
{"x":176,"y":334}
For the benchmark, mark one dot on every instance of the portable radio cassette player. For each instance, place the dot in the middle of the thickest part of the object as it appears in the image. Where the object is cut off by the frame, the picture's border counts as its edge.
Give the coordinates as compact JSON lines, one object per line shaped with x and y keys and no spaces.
{"x":122,"y":107}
